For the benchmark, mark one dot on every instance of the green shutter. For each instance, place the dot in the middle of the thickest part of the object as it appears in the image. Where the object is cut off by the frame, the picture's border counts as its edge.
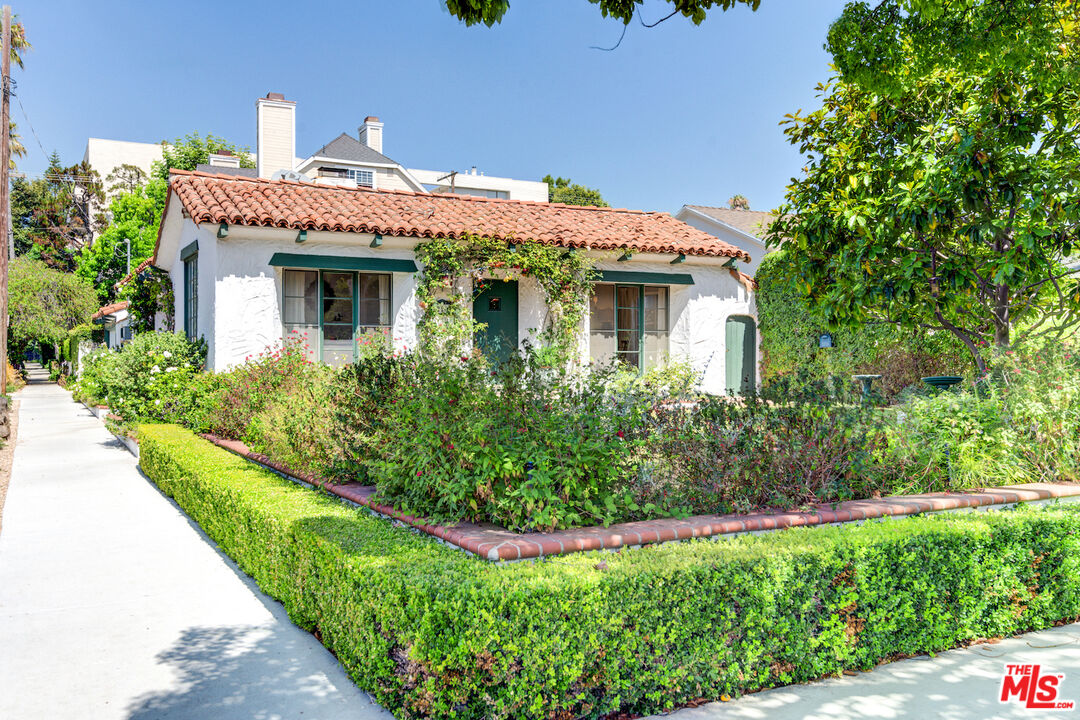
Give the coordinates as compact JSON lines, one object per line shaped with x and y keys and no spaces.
{"x":646,"y":278}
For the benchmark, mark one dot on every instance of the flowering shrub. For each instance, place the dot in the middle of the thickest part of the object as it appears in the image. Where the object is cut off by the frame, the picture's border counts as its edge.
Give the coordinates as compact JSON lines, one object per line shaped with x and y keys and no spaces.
{"x":525,"y":447}
{"x":150,"y":378}
{"x":246,"y":390}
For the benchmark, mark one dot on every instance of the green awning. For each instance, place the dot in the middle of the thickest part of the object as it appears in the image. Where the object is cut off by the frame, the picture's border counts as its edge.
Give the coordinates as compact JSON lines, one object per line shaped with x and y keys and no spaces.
{"x":646,"y":278}
{"x":336,"y":262}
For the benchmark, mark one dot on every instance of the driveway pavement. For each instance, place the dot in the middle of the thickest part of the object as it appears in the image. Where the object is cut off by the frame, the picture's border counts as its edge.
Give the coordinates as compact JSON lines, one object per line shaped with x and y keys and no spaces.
{"x":114,"y":605}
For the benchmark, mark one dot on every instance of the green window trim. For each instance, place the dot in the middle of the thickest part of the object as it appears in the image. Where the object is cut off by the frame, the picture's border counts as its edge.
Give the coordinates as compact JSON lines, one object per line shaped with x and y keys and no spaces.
{"x":190,"y":250}
{"x":638,"y":307}
{"x":631,"y":277}
{"x":334,"y":262}
{"x":320,"y":324}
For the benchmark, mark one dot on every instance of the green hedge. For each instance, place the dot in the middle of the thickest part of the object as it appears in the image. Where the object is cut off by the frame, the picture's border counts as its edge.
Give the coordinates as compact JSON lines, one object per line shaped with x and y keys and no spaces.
{"x":433,"y":632}
{"x":791,"y":328}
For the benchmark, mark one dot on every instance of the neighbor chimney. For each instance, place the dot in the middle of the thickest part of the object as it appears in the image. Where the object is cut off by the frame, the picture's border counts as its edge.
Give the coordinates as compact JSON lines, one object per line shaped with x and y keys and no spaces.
{"x":275,"y":134}
{"x":371,"y":133}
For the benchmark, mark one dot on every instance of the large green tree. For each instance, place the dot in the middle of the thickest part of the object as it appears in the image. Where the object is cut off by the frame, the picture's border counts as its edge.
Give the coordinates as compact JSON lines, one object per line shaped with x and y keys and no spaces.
{"x":490,"y":12}
{"x":563,"y":190}
{"x":193,"y":149}
{"x":135,"y":216}
{"x":44,"y":304}
{"x":55,"y":217}
{"x":942,"y":187}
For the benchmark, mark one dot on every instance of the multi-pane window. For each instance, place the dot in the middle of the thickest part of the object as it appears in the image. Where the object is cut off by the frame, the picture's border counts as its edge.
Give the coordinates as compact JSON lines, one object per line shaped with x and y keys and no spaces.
{"x":300,"y":311}
{"x":363,"y":178}
{"x":191,"y":297}
{"x":332,"y":310}
{"x":629,"y":323}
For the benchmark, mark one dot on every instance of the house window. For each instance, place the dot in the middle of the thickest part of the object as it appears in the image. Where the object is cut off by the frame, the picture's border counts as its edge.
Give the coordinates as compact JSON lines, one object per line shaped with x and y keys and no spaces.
{"x":629,"y":323}
{"x":363,"y":178}
{"x":191,"y":297}
{"x":331,"y":311}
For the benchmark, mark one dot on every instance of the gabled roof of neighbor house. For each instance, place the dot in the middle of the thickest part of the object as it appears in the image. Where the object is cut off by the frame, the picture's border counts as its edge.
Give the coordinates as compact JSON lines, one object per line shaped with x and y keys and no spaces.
{"x":304,"y":206}
{"x":346,"y":147}
{"x":110,"y":310}
{"x":751,"y":222}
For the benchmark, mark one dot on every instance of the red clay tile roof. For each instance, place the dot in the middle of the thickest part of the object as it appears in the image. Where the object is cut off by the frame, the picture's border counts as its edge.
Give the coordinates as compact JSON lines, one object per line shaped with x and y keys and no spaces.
{"x":131,"y":275}
{"x":288,"y":204}
{"x":110,"y":309}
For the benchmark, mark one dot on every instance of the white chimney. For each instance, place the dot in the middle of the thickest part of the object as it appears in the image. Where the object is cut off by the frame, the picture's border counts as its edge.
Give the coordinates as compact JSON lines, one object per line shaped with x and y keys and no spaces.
{"x":224,"y":159}
{"x":275,"y":134}
{"x":371,"y":133}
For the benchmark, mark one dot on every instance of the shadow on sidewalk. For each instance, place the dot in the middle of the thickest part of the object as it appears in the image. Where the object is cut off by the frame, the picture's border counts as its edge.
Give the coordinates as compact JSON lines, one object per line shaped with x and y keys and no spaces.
{"x":243,"y":672}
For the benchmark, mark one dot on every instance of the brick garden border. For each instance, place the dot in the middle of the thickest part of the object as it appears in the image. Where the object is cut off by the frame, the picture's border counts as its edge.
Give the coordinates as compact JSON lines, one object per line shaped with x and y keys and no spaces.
{"x":495,"y":543}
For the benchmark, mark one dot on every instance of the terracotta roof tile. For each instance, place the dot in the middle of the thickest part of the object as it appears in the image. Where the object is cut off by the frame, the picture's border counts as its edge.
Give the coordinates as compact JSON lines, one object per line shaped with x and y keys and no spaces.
{"x":288,"y":204}
{"x":131,"y":275}
{"x":110,"y":309}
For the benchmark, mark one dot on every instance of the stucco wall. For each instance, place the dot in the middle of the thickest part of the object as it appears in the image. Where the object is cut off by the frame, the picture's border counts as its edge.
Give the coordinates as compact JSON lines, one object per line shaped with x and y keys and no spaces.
{"x":756,"y":248}
{"x":248,"y":289}
{"x":240,"y":296}
{"x":698,"y":313}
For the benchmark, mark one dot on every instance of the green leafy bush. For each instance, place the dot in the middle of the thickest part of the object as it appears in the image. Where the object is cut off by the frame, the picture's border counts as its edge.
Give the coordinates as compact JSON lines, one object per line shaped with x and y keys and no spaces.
{"x":150,"y":378}
{"x":1021,"y":425}
{"x":523,"y":446}
{"x":790,"y":329}
{"x":246,"y":390}
{"x":434,"y":632}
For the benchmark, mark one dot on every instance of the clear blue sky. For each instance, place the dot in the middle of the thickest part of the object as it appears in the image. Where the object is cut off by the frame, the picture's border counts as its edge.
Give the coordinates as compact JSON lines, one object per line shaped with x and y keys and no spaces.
{"x":677,"y":114}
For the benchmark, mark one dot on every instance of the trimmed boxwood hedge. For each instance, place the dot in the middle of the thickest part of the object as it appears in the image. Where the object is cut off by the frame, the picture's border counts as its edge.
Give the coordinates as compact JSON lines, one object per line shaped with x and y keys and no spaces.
{"x":431,"y":631}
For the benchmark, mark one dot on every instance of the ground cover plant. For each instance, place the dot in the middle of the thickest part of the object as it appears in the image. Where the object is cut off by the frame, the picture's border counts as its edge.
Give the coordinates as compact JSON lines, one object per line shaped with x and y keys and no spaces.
{"x":435,"y":632}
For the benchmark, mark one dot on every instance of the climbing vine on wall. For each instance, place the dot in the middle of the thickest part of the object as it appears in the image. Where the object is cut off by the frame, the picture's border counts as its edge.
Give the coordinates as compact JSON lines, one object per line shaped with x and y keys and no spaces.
{"x":456,"y":270}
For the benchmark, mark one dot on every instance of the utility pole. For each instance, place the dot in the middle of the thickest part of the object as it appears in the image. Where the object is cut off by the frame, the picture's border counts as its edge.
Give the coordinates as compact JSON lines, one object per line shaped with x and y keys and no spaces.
{"x":5,"y":208}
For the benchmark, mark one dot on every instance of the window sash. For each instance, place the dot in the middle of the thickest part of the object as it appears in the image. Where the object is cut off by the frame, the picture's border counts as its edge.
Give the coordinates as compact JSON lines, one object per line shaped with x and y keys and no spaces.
{"x":630,"y":323}
{"x":191,"y":297}
{"x":332,"y":309}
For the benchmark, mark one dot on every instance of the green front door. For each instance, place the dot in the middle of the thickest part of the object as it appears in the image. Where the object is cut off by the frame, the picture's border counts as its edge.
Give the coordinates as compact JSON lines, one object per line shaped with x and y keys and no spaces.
{"x":740,"y":354}
{"x":497,"y":307}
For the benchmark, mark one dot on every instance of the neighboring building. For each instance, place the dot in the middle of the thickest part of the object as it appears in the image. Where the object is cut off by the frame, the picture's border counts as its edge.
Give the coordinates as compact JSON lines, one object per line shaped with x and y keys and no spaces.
{"x":116,"y":321}
{"x":255,"y":261}
{"x":745,"y":229}
{"x":344,"y":161}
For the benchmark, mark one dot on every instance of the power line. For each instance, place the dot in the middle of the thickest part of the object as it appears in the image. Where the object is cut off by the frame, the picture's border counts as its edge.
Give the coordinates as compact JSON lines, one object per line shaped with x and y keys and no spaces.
{"x":32,"y":130}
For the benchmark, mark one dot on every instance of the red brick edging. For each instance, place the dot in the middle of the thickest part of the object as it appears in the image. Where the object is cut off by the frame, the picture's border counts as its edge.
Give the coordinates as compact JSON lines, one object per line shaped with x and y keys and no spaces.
{"x":496,"y":543}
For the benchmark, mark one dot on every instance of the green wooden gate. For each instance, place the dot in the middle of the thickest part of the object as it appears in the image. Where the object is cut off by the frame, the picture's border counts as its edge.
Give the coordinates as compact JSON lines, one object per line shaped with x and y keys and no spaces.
{"x":740,"y":354}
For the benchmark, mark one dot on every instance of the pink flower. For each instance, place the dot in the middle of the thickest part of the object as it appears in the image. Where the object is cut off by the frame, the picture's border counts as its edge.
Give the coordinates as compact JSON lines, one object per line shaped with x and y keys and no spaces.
{"x":620,"y":434}
{"x":419,"y":473}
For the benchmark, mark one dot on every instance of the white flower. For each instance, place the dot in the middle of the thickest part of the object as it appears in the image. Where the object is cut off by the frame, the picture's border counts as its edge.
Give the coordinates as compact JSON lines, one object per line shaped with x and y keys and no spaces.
{"x":166,"y":354}
{"x":155,"y":369}
{"x":157,"y":402}
{"x":169,"y":369}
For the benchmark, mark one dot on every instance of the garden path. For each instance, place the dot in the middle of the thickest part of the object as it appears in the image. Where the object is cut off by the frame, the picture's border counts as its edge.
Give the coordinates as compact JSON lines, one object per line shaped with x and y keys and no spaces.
{"x":114,"y":605}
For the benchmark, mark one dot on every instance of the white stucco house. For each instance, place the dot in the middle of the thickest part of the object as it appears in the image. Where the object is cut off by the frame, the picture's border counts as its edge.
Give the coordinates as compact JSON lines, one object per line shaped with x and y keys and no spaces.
{"x":745,"y":229}
{"x":116,"y":323}
{"x":255,"y":261}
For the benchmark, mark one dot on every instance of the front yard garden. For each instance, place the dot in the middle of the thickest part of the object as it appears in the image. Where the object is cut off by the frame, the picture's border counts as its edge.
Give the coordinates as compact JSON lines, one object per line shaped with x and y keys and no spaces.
{"x":532,"y":447}
{"x":434,"y":632}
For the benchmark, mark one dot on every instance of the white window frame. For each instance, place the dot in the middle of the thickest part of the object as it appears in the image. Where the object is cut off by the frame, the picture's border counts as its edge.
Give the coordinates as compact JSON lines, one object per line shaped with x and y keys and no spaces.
{"x":354,"y":173}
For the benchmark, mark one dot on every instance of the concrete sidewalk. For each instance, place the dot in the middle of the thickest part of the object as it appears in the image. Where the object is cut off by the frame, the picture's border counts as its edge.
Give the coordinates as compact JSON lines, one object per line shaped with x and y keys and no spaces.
{"x":958,"y":685}
{"x":114,"y":605}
